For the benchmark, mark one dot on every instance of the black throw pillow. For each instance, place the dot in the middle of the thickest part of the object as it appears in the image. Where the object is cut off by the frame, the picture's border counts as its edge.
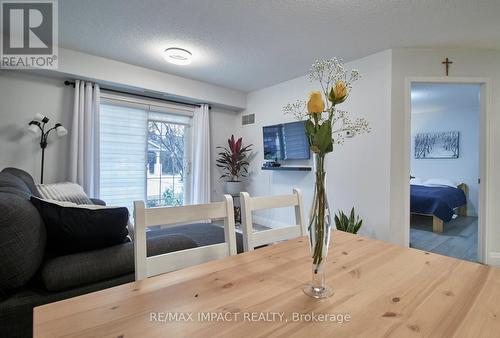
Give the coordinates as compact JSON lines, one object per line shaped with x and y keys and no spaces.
{"x":75,"y":228}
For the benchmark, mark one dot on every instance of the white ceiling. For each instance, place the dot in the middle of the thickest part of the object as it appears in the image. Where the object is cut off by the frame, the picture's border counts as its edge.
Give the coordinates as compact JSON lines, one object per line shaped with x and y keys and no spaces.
{"x":436,"y":97}
{"x":251,"y":44}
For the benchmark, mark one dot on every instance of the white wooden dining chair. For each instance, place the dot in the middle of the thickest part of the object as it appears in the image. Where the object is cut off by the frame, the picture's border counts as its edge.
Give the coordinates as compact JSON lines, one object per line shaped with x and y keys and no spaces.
{"x":249,"y":204}
{"x":145,"y":217}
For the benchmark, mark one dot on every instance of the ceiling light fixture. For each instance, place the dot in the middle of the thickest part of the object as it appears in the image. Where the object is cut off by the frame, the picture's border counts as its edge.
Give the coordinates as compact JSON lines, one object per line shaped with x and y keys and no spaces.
{"x":178,"y":56}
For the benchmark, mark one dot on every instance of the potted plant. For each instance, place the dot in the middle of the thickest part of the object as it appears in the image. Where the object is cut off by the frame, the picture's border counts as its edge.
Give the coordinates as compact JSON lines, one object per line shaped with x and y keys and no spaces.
{"x":351,"y":223}
{"x":234,"y":165}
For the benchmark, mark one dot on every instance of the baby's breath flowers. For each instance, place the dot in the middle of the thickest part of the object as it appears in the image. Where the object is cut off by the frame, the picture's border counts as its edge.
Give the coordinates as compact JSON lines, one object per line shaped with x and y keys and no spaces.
{"x":336,"y":84}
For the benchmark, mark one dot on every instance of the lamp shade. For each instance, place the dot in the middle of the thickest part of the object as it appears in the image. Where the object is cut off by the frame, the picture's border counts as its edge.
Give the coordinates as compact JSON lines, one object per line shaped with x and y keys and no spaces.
{"x":60,"y":130}
{"x":34,"y":127}
{"x":41,"y":118}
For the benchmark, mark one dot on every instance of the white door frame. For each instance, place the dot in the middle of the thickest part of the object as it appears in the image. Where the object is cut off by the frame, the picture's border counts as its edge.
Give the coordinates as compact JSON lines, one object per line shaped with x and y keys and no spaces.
{"x":485,"y":157}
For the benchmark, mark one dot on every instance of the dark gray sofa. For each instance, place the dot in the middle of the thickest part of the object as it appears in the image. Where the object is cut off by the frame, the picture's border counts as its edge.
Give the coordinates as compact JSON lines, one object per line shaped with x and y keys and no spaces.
{"x":30,"y":277}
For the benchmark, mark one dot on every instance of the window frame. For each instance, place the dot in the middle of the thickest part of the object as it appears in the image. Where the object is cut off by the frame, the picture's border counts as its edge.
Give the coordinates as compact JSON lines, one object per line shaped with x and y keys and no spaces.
{"x":186,"y":160}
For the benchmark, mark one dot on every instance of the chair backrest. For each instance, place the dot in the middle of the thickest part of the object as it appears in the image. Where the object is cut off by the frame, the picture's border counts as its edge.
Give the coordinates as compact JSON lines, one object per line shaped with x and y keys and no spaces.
{"x":253,"y":239}
{"x":144,"y":217}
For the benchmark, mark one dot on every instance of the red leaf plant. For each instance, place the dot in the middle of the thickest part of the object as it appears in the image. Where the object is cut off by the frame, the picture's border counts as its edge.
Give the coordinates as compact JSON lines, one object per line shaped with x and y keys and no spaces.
{"x":233,"y":159}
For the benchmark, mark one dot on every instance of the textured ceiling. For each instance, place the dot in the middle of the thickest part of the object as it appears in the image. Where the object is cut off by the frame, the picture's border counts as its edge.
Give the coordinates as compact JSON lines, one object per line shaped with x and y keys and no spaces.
{"x":436,"y":97}
{"x":251,"y":44}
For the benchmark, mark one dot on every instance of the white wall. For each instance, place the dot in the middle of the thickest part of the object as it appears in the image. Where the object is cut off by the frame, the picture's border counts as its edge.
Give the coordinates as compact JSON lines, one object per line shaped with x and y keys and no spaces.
{"x":463,"y":169}
{"x":266,"y":104}
{"x":357,"y":172}
{"x":427,"y":63}
{"x":21,"y":96}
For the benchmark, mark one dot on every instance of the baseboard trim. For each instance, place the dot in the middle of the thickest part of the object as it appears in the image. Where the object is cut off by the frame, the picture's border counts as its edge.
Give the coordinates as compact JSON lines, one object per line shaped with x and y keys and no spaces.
{"x":494,"y":258}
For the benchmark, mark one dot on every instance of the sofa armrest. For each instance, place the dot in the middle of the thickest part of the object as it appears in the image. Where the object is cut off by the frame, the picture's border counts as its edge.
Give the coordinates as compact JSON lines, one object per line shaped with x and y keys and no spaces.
{"x":97,"y":201}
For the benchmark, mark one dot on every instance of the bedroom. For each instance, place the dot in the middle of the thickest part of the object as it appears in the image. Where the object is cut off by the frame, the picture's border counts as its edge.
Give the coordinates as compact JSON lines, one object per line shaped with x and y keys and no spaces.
{"x":445,"y":166}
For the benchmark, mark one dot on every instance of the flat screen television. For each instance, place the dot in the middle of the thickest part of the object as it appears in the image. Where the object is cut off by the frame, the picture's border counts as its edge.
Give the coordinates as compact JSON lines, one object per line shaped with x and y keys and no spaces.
{"x":287,"y":141}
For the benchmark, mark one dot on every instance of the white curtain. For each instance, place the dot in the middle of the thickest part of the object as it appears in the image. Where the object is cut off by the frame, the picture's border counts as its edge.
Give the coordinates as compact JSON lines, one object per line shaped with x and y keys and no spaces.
{"x":200,"y":159}
{"x":84,"y":149}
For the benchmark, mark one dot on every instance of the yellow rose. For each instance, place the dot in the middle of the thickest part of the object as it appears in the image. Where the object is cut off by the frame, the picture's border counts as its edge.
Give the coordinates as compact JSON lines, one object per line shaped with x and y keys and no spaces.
{"x":338,"y":93}
{"x":315,"y":104}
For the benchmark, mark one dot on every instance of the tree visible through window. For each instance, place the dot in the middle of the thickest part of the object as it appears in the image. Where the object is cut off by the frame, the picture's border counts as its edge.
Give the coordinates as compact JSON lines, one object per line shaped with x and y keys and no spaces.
{"x":165,"y":172}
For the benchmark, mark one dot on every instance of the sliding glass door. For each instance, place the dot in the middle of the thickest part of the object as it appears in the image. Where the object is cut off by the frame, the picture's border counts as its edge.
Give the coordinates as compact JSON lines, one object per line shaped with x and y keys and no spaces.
{"x":144,"y":154}
{"x":168,"y":146}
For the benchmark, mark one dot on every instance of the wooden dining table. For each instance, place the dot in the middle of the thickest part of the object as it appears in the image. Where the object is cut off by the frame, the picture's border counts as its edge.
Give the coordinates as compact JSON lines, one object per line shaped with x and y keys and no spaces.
{"x":380,"y":290}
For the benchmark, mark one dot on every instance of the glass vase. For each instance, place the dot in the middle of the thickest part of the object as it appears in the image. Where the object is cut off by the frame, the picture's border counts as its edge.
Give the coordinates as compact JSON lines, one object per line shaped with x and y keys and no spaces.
{"x":319,"y":233}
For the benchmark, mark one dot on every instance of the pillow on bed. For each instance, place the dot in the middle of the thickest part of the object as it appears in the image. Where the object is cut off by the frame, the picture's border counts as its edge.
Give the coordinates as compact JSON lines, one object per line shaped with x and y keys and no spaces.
{"x":416,"y":181}
{"x":439,"y":182}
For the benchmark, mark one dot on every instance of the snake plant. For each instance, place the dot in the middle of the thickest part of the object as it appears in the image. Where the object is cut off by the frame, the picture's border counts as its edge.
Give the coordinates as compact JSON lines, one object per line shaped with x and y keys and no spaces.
{"x":348,"y":224}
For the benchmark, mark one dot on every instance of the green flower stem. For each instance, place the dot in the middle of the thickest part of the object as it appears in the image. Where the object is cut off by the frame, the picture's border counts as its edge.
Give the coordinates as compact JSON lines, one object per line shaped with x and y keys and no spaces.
{"x":320,"y":212}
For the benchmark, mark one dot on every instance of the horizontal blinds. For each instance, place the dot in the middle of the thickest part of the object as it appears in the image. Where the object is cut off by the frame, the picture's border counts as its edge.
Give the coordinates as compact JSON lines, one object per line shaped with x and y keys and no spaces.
{"x":123,"y":137}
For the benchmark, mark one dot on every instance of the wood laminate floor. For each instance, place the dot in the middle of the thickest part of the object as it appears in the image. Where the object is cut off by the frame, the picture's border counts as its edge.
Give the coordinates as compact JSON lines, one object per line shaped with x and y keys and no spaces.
{"x":458,"y":240}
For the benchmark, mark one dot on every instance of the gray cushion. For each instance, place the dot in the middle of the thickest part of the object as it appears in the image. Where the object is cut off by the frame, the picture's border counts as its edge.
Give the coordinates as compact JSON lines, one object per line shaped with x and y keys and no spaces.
{"x":202,"y":233}
{"x":92,"y":266}
{"x":97,"y":201}
{"x":25,"y":177}
{"x":22,"y":240}
{"x":12,"y":184}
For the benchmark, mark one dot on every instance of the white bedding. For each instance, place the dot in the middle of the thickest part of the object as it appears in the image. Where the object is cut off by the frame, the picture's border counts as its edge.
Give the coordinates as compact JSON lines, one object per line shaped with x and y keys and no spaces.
{"x":434,"y":182}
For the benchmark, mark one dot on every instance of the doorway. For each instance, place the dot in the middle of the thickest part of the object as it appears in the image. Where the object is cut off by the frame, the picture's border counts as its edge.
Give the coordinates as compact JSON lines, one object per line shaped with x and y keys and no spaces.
{"x":464,"y":241}
{"x":445,"y":166}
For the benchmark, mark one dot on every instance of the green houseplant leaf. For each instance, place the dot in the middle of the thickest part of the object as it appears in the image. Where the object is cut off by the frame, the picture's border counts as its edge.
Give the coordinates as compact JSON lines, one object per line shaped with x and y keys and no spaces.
{"x":323,"y":138}
{"x":351,"y":223}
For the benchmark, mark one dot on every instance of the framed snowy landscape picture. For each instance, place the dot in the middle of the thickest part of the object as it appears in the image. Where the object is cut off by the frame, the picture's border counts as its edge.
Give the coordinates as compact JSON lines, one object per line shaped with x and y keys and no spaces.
{"x":437,"y":145}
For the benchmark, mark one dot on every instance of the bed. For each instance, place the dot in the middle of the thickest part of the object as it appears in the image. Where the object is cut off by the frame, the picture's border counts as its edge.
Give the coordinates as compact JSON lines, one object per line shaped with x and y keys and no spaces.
{"x":441,"y":202}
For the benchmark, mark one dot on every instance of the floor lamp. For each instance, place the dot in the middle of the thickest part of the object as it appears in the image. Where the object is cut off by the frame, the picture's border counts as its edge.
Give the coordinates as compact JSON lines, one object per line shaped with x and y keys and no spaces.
{"x":37,"y":126}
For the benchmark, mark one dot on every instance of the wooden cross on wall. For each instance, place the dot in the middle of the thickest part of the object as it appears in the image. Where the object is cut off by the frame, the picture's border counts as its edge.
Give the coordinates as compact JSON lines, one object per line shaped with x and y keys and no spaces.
{"x":447,"y":62}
